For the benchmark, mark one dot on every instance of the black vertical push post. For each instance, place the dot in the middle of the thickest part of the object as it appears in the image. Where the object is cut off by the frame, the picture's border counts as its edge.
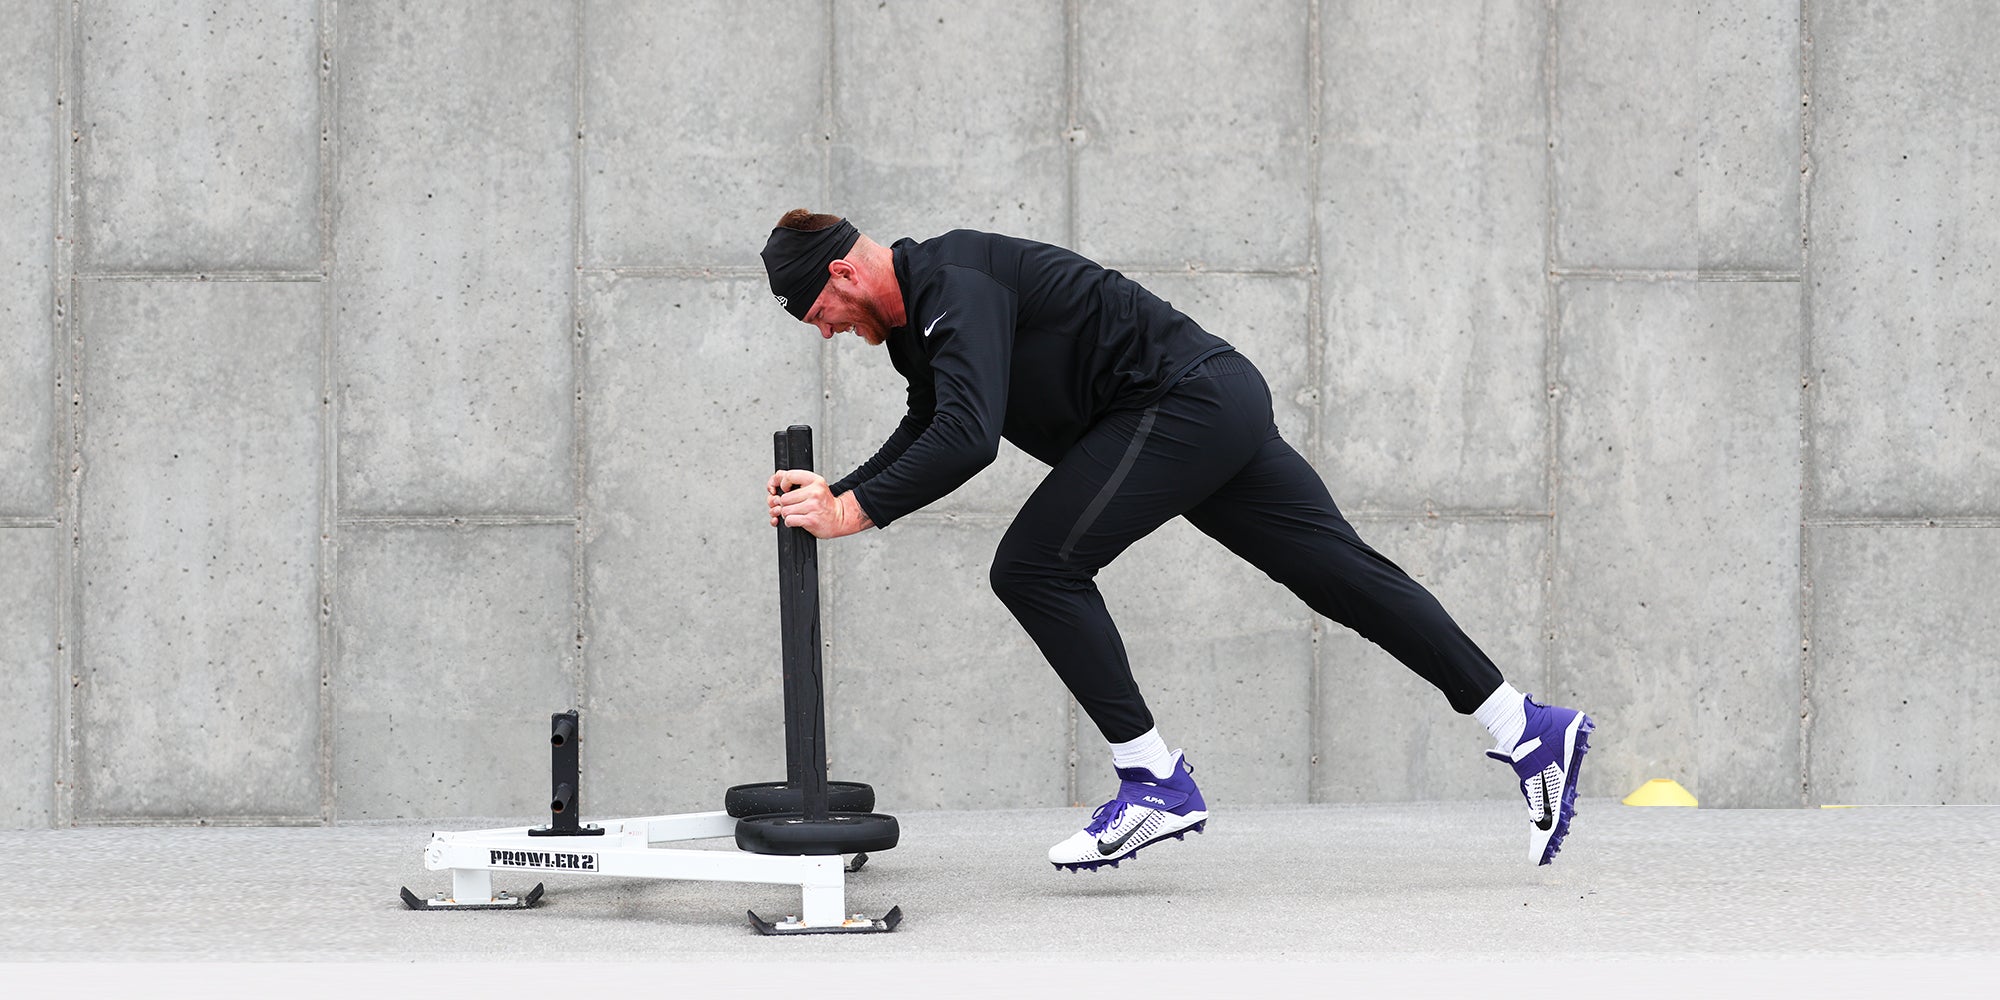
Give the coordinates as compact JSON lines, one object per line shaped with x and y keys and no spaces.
{"x":791,"y":674}
{"x":798,"y":614}
{"x":565,"y":781}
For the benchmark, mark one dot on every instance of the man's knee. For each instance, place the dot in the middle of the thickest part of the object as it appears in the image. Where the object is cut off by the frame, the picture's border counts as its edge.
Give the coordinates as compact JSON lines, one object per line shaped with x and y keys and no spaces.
{"x":1016,"y":575}
{"x":1010,"y":576}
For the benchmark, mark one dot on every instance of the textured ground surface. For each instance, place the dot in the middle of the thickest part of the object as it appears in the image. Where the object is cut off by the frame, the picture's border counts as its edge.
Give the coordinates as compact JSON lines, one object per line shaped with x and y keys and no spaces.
{"x":1269,"y":884}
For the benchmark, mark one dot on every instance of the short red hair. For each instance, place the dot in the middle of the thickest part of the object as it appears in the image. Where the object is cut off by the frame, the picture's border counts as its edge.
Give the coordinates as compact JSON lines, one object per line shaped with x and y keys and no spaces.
{"x":806,"y":221}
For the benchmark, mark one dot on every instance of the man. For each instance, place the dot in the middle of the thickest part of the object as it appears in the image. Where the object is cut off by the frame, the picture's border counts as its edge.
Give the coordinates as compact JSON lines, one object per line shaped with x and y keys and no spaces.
{"x":1143,"y":417}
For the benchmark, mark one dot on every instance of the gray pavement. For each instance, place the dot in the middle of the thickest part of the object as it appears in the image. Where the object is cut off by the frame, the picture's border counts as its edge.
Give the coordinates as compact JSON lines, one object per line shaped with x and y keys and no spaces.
{"x":1273,"y":883}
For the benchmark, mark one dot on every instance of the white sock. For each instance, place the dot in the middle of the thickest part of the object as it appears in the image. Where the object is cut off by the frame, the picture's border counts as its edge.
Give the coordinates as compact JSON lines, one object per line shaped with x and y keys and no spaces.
{"x":1504,"y":714}
{"x":1148,"y":751}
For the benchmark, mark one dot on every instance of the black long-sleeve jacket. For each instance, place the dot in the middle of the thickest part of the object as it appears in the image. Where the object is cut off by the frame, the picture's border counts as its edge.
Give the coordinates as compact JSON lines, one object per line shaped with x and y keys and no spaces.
{"x":1009,"y":338}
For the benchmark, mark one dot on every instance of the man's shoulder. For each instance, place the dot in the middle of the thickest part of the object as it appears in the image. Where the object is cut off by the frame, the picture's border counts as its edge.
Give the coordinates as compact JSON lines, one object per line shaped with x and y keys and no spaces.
{"x":960,"y":246}
{"x":954,"y":247}
{"x":1007,"y":259}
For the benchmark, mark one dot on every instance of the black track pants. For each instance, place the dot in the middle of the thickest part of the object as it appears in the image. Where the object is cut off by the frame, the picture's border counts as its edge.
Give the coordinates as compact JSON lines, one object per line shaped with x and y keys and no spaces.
{"x":1208,"y":450}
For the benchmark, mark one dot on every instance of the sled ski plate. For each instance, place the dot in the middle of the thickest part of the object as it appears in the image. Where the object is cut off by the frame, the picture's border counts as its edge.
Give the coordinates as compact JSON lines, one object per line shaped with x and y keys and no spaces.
{"x":500,"y":901}
{"x":856,"y":924}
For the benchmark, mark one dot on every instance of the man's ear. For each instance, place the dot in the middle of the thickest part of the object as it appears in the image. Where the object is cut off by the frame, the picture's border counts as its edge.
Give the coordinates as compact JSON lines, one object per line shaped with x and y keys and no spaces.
{"x":841,"y":269}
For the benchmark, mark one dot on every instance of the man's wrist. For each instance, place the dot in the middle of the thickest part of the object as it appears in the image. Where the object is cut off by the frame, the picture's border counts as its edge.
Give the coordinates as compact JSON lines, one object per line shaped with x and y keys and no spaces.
{"x":856,"y":514}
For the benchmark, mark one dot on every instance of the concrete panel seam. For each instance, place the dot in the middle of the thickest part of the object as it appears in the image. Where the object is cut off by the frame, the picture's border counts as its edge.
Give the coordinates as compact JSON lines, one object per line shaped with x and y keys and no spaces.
{"x":1073,"y":113}
{"x":829,"y":369}
{"x":170,"y":822}
{"x":329,"y":429}
{"x":1427,"y":514}
{"x":68,"y":361}
{"x":579,"y":677}
{"x":688,"y":271}
{"x":1073,"y":139}
{"x":1307,"y":269}
{"x":830,"y":577}
{"x":1551,"y":341}
{"x":1911,"y":521}
{"x":828,"y":88}
{"x":671,"y":271}
{"x":949,"y":517}
{"x":1670,"y":274}
{"x":1808,"y":410}
{"x":1452,"y":516}
{"x":258,"y":276}
{"x":1315,"y":353}
{"x":452,"y":520}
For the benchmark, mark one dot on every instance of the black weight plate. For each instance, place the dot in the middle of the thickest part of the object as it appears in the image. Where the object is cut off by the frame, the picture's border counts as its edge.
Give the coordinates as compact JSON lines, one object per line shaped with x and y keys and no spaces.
{"x":767,"y":797}
{"x":838,"y":833}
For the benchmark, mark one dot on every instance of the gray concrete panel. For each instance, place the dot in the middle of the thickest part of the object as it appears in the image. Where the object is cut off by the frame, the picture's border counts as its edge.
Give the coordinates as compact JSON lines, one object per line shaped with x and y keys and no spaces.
{"x":454,"y":257}
{"x":950,"y":117}
{"x":28,"y":678}
{"x":1223,"y":657}
{"x":27,"y":230}
{"x":1677,"y":135}
{"x":705,"y":124}
{"x":1174,"y":166}
{"x":1906,"y":244}
{"x":1904,"y":686}
{"x":936,"y":696}
{"x":200,"y":136}
{"x":1386,"y":734}
{"x":687,"y":382}
{"x":453,"y":652}
{"x":1433,"y":297}
{"x":1677,"y":560}
{"x":199,"y":641}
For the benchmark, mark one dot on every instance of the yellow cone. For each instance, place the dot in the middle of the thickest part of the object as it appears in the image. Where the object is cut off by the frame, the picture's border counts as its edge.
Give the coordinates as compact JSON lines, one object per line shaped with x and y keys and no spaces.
{"x":1661,"y":792}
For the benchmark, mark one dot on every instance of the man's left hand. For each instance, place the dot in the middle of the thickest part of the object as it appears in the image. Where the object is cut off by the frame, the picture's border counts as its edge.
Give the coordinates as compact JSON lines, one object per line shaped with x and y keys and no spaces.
{"x":802,"y":499}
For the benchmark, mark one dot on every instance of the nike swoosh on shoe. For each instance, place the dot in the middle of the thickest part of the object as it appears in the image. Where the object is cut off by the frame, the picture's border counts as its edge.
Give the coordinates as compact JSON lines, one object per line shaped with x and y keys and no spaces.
{"x":1112,"y":848}
{"x":1548,"y":818}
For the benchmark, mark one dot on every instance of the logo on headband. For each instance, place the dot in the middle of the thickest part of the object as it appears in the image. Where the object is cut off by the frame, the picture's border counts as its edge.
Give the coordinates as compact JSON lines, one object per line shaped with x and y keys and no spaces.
{"x":781,"y":301}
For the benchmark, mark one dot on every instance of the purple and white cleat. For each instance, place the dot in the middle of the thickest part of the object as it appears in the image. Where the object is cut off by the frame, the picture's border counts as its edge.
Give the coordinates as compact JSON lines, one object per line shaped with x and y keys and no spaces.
{"x":1547,"y":760}
{"x":1146,"y":811}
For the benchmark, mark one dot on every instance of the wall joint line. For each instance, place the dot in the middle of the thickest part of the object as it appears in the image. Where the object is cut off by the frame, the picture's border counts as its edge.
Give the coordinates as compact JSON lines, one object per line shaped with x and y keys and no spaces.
{"x":1808,"y":408}
{"x":579,"y":360}
{"x":1551,"y":350}
{"x":1315,"y":362}
{"x":68,"y":361}
{"x":329,"y":413}
{"x":1072,"y":139}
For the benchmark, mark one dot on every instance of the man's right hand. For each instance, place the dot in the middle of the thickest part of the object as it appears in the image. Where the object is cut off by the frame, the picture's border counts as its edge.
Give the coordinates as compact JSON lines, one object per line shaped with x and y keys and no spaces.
{"x":802,"y":499}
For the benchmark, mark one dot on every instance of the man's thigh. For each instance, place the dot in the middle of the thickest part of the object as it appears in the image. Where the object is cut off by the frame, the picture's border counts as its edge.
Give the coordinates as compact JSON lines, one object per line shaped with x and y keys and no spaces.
{"x":1276,"y":513}
{"x":1134,"y":471}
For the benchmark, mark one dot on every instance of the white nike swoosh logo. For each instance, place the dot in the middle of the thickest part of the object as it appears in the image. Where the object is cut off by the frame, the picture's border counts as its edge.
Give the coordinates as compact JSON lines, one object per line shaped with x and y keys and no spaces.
{"x":933,"y":326}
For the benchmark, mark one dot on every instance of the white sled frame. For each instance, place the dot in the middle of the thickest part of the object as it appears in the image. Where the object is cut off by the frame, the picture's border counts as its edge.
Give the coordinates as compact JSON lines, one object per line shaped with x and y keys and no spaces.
{"x":625,"y":850}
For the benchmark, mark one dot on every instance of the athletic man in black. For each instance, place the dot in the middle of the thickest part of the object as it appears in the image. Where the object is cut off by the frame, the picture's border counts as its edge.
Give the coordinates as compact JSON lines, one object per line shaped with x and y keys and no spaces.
{"x":1143,"y":416}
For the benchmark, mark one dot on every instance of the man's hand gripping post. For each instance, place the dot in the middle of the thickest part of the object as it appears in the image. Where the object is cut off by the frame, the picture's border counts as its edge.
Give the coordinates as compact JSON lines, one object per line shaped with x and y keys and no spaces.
{"x":802,"y":499}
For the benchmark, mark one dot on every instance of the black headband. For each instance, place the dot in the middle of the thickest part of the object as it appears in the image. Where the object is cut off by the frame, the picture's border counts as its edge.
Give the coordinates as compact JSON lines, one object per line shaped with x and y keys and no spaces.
{"x":796,"y":261}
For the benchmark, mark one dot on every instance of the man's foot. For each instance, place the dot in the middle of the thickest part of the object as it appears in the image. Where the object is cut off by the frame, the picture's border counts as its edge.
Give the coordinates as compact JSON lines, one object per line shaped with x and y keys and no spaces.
{"x":1146,"y":811}
{"x":1547,"y":760}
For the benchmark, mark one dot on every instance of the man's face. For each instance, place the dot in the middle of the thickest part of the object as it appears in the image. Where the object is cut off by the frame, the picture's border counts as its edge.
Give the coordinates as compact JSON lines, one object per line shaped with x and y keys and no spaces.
{"x":842,"y":306}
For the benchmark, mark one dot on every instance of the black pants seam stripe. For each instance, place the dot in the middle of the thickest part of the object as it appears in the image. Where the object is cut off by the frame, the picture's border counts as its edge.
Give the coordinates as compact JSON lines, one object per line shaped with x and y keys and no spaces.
{"x":1103,"y":498}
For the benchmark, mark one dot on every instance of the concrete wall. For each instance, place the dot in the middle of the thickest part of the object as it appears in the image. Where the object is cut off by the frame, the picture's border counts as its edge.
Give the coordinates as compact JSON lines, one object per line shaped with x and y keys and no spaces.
{"x":378,"y":378}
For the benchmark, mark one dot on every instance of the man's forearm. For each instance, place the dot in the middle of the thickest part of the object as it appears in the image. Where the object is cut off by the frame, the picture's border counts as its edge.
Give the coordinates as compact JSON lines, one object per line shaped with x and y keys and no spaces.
{"x":851,"y":511}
